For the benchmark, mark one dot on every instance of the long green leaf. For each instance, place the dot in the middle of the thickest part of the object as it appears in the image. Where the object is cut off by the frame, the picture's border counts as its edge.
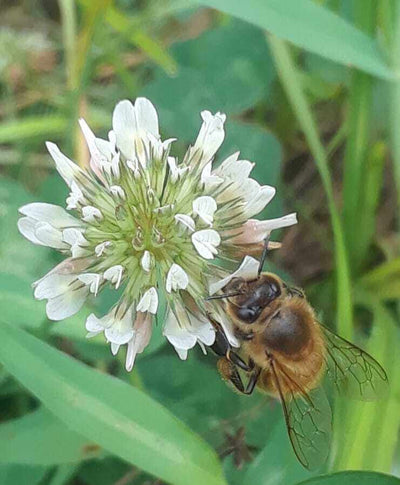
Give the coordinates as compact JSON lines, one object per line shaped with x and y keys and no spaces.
{"x":353,"y":478}
{"x":313,"y":28}
{"x":357,"y":145}
{"x":30,"y":440}
{"x":119,"y":418}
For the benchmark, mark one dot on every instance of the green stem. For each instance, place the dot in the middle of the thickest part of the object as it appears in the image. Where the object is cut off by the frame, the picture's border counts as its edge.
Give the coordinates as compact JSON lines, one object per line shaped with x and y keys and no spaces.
{"x":291,"y":82}
{"x":359,"y":110}
{"x":69,"y":31}
{"x":395,"y":99}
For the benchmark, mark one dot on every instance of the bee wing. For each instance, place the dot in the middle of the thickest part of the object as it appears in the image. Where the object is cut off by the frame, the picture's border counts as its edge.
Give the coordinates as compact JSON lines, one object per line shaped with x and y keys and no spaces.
{"x":352,"y":370}
{"x":308,"y":419}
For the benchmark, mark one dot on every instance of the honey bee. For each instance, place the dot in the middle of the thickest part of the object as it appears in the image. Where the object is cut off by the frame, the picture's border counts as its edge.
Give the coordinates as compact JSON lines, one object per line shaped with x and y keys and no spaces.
{"x":286,"y":352}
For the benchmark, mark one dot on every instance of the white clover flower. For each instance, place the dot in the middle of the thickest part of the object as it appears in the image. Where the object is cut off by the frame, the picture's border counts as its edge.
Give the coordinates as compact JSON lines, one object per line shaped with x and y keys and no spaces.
{"x":149,"y":224}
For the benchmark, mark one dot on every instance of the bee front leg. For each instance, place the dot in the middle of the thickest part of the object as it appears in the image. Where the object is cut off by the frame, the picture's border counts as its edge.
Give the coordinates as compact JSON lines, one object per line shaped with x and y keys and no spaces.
{"x":223,"y":348}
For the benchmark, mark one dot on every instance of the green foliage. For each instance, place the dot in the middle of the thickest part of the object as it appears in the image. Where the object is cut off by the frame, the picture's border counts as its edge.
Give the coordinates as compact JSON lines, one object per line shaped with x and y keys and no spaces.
{"x":332,"y":37}
{"x":353,"y":478}
{"x":330,"y":94}
{"x":30,"y":440}
{"x":117,"y":417}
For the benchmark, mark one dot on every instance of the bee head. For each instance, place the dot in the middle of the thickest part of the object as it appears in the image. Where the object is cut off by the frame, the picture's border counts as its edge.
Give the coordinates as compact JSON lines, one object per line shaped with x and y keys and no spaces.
{"x":252,"y":297}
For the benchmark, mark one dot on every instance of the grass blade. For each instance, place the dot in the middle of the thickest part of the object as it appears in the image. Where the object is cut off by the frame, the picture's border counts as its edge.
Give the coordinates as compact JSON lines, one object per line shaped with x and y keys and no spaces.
{"x":119,"y":418}
{"x":292,"y":85}
{"x":313,"y":28}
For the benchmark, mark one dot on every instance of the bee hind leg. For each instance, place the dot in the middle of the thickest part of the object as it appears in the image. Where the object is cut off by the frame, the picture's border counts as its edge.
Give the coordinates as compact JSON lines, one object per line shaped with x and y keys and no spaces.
{"x":230,"y":373}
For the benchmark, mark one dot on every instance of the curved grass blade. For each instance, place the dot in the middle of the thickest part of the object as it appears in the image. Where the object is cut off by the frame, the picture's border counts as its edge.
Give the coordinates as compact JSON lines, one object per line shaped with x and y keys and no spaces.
{"x":313,"y":28}
{"x":119,"y":418}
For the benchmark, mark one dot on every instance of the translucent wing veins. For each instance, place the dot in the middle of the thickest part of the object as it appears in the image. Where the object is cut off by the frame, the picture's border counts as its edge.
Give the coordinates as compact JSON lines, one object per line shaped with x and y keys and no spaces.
{"x":308,"y":419}
{"x":353,"y":370}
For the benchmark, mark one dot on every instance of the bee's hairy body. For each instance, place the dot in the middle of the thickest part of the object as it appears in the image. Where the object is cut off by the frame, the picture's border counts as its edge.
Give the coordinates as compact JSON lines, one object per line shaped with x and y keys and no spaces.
{"x":284,"y":351}
{"x":283,"y":328}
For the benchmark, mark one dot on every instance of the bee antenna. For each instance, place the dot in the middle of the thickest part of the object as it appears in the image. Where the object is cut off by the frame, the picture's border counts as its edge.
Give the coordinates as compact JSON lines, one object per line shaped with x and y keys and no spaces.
{"x":264,"y":254}
{"x":224,"y":295}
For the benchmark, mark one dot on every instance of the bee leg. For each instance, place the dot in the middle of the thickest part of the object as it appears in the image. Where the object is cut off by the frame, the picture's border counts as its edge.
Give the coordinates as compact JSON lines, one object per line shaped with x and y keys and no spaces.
{"x":230,"y":373}
{"x":251,"y":383}
{"x":223,"y":348}
{"x":235,"y":359}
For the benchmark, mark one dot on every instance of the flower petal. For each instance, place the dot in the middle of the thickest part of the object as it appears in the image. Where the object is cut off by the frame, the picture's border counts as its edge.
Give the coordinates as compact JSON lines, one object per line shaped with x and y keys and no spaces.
{"x":120,"y":331}
{"x":132,"y":122}
{"x":101,"y":247}
{"x":49,"y":236}
{"x":68,"y":170}
{"x":146,"y":116}
{"x":97,"y":157}
{"x":206,"y":242}
{"x":186,"y":221}
{"x":75,"y":197}
{"x":114,"y":275}
{"x":142,"y":332}
{"x":77,"y":242}
{"x":66,"y":304}
{"x":254,"y":231}
{"x":235,"y":169}
{"x":248,"y":270}
{"x":205,"y":207}
{"x":118,"y":192}
{"x":148,"y":302}
{"x":183,"y":330}
{"x":91,"y":214}
{"x":146,"y":261}
{"x":175,"y":171}
{"x":257,"y":203}
{"x":52,"y":214}
{"x":210,"y":180}
{"x":52,"y":285}
{"x":177,"y":334}
{"x":95,"y":325}
{"x":210,"y":137}
{"x":92,"y":280}
{"x":181,"y":353}
{"x":26,"y":226}
{"x":177,"y":278}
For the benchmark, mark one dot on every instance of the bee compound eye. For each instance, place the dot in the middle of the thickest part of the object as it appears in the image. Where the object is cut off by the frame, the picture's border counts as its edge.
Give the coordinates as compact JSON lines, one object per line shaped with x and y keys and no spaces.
{"x":248,"y":314}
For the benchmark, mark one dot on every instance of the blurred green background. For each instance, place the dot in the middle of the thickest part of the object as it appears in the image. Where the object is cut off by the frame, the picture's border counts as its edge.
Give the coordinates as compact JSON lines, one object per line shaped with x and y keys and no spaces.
{"x":312,"y":94}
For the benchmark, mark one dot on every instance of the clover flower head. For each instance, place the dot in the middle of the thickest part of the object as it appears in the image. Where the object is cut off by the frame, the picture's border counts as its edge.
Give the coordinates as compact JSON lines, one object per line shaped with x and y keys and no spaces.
{"x":144,"y":222}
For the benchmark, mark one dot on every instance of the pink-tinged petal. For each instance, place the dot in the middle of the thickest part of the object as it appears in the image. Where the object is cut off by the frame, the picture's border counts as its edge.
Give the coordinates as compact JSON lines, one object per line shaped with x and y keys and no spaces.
{"x":254,"y":231}
{"x":96,"y":157}
{"x":142,"y":329}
